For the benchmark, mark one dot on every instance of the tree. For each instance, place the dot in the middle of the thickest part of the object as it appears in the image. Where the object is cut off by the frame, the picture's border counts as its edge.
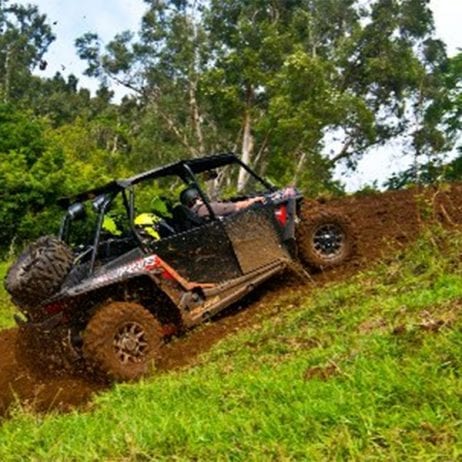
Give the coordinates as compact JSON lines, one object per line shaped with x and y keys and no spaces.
{"x":439,"y":133}
{"x":22,"y":145}
{"x":279,"y":81}
{"x":162,"y":68}
{"x":356,"y":73}
{"x":39,"y":164}
{"x":24,"y":39}
{"x":447,"y":108}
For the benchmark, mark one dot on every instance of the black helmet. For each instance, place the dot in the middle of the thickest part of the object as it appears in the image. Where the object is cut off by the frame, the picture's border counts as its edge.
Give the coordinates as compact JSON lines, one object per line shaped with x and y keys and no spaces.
{"x":189,"y":195}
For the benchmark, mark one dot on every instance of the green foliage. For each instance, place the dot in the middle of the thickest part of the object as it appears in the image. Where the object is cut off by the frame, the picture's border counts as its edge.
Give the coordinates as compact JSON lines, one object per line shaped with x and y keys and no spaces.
{"x":39,"y":164}
{"x":440,"y":130}
{"x":6,"y":307}
{"x":57,"y":99}
{"x":447,"y":108}
{"x":18,"y":131}
{"x":364,"y":370}
{"x":23,"y":169}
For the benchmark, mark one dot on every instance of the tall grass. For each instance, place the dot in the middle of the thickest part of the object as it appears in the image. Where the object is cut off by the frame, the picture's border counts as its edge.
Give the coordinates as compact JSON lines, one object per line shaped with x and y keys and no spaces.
{"x":368,"y":370}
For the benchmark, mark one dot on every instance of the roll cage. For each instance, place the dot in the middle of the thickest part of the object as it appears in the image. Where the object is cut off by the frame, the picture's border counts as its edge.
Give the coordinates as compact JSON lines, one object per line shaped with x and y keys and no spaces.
{"x":102,"y":197}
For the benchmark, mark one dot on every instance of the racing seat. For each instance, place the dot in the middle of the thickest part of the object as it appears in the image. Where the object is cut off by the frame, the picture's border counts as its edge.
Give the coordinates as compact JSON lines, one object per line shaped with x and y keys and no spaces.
{"x":185,"y":219}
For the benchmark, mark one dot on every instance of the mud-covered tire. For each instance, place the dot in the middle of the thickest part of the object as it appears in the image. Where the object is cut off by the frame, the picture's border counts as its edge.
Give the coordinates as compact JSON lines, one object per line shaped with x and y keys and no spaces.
{"x":39,"y":271}
{"x":325,"y":240}
{"x":122,"y":340}
{"x":44,"y":353}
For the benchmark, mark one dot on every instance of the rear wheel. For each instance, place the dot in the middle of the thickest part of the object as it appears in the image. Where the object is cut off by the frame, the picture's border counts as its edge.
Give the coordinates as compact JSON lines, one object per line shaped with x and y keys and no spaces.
{"x":325,"y":240}
{"x":122,"y":341}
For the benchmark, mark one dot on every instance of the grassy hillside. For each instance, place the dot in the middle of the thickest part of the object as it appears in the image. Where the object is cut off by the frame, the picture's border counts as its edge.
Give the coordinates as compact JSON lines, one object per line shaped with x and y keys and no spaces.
{"x":367,"y":369}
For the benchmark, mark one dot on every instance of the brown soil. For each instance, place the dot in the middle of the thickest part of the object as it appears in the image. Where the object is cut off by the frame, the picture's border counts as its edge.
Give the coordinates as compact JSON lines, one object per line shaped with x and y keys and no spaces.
{"x":382,"y":222}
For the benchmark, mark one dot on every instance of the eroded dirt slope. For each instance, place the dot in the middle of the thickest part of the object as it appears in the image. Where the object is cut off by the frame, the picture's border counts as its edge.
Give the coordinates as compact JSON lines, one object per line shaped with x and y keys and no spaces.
{"x":383,"y":223}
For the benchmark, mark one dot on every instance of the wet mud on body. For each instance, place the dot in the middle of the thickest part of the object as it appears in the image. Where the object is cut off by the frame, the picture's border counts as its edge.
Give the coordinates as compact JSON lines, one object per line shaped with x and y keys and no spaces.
{"x":383,"y":223}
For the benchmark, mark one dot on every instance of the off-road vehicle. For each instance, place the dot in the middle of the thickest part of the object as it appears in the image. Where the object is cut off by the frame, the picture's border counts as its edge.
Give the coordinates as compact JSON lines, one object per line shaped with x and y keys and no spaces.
{"x":111,"y":287}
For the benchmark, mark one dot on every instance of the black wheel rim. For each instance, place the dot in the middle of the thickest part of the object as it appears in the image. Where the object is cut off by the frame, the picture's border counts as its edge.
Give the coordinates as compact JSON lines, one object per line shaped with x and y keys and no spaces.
{"x":328,"y":241}
{"x":130,"y":343}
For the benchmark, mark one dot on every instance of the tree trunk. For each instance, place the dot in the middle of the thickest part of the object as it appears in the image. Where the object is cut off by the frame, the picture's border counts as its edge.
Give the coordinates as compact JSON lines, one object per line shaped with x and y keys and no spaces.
{"x":247,"y":142}
{"x":7,"y":82}
{"x":193,"y":78}
{"x":300,"y":165}
{"x":195,"y":115}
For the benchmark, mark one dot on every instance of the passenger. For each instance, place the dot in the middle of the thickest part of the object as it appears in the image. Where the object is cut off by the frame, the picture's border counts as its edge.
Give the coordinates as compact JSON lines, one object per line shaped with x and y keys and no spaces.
{"x":152,"y":227}
{"x":191,"y":198}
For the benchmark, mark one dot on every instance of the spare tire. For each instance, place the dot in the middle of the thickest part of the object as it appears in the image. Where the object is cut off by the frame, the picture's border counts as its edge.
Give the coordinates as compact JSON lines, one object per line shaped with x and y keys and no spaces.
{"x":325,"y":240}
{"x":39,"y":271}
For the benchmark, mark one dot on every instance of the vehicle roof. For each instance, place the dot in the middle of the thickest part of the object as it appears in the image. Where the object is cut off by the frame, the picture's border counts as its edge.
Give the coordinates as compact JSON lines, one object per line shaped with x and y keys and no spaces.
{"x":196,"y":165}
{"x":179,"y":168}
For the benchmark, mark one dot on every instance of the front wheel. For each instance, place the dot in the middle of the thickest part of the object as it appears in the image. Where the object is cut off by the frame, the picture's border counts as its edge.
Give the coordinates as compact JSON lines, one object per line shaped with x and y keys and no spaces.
{"x":325,"y":240}
{"x":122,"y":340}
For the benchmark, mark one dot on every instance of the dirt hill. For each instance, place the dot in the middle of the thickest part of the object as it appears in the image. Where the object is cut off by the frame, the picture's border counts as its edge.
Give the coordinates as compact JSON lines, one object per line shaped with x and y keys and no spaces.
{"x":383,"y":224}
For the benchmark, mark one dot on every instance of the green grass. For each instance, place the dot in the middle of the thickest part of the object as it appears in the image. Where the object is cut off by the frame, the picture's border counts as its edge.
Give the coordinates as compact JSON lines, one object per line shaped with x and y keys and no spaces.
{"x":368,"y":370}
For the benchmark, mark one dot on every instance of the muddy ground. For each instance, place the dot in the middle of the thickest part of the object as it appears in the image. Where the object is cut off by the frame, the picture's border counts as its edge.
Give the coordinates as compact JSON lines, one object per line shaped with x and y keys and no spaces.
{"x":383,"y":223}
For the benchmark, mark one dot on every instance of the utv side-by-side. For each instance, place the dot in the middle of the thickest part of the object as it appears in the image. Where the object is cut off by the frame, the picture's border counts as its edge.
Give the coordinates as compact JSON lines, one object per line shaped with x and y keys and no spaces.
{"x":108,"y":293}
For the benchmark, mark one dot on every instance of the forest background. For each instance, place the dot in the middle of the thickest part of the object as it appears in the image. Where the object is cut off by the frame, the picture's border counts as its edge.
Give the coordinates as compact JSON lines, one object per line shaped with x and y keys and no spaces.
{"x":295,"y":88}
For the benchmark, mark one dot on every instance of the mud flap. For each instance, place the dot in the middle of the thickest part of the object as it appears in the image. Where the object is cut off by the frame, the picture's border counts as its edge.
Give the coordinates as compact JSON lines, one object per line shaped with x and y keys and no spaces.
{"x":288,"y":236}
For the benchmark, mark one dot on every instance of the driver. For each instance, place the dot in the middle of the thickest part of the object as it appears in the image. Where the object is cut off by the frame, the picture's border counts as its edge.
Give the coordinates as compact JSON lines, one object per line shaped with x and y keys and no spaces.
{"x":191,"y":198}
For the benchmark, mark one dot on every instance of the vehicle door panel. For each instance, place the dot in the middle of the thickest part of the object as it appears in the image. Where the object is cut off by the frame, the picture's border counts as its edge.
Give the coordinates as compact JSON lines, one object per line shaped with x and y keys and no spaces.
{"x":256,"y":237}
{"x":202,"y":254}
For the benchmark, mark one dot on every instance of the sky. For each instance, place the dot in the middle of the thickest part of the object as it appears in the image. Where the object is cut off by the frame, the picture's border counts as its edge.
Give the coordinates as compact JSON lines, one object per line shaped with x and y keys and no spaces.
{"x":73,"y":18}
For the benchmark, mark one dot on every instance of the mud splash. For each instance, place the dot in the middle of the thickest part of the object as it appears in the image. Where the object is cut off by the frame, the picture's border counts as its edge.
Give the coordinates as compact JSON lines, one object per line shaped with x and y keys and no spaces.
{"x":47,"y":391}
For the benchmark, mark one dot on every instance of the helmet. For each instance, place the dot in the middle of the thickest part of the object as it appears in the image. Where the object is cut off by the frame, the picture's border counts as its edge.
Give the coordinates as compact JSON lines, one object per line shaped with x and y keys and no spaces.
{"x":189,"y":195}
